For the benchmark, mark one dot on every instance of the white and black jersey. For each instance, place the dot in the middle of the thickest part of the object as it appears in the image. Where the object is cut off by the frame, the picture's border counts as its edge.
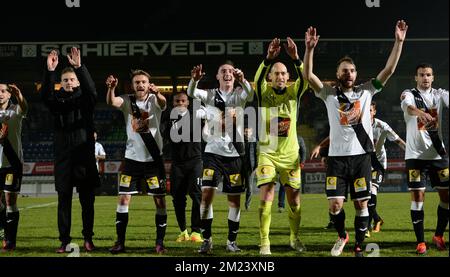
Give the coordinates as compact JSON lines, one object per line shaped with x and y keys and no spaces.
{"x":99,"y":151}
{"x":381,"y":131}
{"x":349,"y":118}
{"x":148,"y":122}
{"x":12,"y":117}
{"x":222,"y":144}
{"x":419,"y":143}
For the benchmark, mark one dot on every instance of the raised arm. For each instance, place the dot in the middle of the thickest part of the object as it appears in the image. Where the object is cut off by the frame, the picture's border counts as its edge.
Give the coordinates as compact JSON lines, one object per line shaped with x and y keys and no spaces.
{"x":111,"y":99}
{"x":311,"y":40}
{"x":20,"y":99}
{"x":300,"y":85}
{"x":196,"y":74}
{"x":48,"y":86}
{"x":401,"y":143}
{"x":248,"y":92}
{"x":160,"y":99}
{"x":83,"y":75}
{"x":400,"y":34}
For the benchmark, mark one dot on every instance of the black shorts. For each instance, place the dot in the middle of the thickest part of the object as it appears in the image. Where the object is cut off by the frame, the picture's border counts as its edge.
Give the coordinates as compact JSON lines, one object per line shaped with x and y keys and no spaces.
{"x":217,"y":167}
{"x":346,"y":172}
{"x":186,"y":177}
{"x":10,"y":180}
{"x":417,"y":171}
{"x":142,"y":176}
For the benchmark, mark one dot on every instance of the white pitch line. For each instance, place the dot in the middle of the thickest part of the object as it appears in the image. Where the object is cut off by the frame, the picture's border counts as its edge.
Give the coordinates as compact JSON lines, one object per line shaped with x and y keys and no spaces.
{"x":39,"y":206}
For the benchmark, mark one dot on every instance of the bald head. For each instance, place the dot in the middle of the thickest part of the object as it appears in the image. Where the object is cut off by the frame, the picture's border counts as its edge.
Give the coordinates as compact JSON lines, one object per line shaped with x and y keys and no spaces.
{"x":279,"y":75}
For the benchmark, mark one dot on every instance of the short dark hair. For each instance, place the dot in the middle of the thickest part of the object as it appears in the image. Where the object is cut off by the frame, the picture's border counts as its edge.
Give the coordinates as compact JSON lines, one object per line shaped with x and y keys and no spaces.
{"x":137,"y":72}
{"x":424,"y":65}
{"x":346,"y":59}
{"x":374,"y":104}
{"x":228,"y":62}
{"x":67,"y":70}
{"x":180,"y":92}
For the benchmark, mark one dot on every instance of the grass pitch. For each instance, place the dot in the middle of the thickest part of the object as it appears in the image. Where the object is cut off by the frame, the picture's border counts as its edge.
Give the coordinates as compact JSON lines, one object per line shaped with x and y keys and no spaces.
{"x":38,"y":233}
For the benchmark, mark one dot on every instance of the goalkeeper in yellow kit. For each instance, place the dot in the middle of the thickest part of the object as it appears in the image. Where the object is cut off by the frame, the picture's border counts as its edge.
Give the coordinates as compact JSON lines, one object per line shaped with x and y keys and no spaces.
{"x":278,"y":146}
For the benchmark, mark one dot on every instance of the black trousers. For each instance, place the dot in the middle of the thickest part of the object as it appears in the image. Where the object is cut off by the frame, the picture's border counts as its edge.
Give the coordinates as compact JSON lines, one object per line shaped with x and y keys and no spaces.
{"x":185,"y":178}
{"x":87,"y":199}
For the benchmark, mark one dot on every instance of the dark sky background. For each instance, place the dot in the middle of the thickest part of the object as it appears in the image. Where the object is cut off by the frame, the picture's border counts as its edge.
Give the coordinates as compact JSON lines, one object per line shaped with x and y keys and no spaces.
{"x":178,"y":19}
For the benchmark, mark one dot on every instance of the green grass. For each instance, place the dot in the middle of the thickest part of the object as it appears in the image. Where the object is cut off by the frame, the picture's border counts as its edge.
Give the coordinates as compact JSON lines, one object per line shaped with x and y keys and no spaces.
{"x":38,"y":231}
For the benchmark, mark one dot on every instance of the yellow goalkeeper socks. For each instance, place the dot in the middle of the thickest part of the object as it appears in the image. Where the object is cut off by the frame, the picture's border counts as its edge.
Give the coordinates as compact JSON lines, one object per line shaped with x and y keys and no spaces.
{"x":295,"y":217}
{"x":264,"y":221}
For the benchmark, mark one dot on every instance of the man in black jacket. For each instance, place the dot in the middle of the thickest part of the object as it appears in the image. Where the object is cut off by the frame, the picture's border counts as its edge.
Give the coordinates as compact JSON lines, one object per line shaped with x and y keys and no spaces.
{"x":73,"y":107}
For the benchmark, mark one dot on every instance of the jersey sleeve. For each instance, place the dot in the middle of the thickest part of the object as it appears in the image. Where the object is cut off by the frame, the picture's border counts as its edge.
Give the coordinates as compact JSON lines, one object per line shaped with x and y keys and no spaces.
{"x":300,"y":85}
{"x":407,"y":99}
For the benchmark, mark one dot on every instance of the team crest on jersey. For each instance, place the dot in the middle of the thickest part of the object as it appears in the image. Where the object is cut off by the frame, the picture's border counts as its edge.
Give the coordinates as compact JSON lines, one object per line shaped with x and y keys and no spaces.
{"x":125,"y":181}
{"x":153,"y":182}
{"x":208,"y":174}
{"x":235,"y":180}
{"x":350,"y":114}
{"x":443,"y":175}
{"x":360,"y":184}
{"x":414,"y":175}
{"x":9,"y":179}
{"x":331,"y":183}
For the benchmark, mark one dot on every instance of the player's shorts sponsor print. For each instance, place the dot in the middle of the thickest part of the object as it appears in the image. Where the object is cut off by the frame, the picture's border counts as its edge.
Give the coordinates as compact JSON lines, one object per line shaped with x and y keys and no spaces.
{"x":443,"y":175}
{"x":125,"y":180}
{"x":360,"y":184}
{"x":414,"y":175}
{"x":9,"y":179}
{"x":235,"y":180}
{"x":153,"y":182}
{"x":331,"y":182}
{"x":208,"y":174}
{"x":265,"y":172}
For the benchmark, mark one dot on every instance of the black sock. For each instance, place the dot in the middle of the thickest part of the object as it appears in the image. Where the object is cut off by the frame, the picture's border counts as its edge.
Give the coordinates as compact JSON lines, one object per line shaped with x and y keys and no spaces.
{"x":372,"y":206}
{"x":121,"y":226}
{"x":161,"y":225}
{"x":12,"y":221}
{"x":361,"y":223}
{"x":417,"y":220}
{"x":206,"y":228}
{"x":442,"y":221}
{"x":330,"y":217}
{"x":233,"y":228}
{"x":339,"y":223}
{"x":2,"y":217}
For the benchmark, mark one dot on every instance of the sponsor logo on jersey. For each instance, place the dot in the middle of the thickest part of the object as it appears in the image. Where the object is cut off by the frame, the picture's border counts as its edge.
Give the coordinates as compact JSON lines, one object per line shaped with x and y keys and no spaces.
{"x":350,"y":114}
